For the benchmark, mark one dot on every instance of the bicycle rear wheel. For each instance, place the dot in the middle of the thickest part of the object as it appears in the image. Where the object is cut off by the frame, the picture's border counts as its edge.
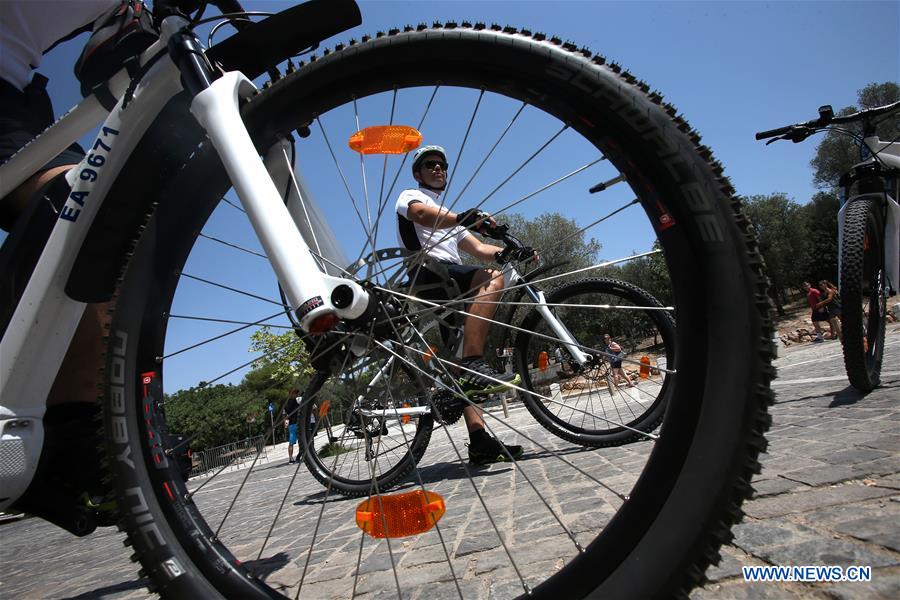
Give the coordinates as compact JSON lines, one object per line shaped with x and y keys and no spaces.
{"x":589,"y":405}
{"x":352,"y":436}
{"x":863,"y":294}
{"x":559,"y":522}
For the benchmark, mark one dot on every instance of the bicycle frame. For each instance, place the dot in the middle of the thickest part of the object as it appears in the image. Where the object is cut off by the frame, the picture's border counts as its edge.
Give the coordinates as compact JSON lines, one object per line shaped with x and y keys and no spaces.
{"x":45,"y":318}
{"x":889,"y":153}
{"x":510,"y":277}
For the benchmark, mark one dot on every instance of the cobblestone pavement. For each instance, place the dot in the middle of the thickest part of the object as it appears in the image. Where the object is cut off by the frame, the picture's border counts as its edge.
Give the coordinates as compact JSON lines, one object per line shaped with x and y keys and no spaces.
{"x":829,"y":494}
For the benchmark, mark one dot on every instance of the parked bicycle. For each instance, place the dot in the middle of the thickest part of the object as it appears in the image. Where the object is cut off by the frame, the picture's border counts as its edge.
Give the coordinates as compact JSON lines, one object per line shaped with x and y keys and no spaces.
{"x":184,"y":123}
{"x":389,"y":398}
{"x":868,"y":235}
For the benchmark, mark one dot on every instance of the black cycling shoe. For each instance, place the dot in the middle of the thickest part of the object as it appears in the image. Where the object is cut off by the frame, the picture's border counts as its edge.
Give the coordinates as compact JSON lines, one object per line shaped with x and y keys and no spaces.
{"x":481,"y":379}
{"x":484,"y":453}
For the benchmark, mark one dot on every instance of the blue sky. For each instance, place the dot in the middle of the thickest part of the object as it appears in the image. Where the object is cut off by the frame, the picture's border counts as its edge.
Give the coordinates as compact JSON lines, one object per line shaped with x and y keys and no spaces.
{"x":731,"y":68}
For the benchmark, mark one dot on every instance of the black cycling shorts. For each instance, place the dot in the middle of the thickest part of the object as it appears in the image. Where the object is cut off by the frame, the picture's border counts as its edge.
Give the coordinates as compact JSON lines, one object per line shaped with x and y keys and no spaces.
{"x":461,"y":274}
{"x":23,"y":115}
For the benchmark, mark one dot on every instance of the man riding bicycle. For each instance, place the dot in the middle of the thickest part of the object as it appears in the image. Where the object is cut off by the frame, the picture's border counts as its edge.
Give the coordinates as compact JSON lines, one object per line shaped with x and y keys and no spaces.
{"x":424,"y":224}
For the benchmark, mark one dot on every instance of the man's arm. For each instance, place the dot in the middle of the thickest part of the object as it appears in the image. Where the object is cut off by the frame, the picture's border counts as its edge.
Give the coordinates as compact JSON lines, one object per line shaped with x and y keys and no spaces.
{"x":475,"y":248}
{"x":441,"y":218}
{"x":430,"y":216}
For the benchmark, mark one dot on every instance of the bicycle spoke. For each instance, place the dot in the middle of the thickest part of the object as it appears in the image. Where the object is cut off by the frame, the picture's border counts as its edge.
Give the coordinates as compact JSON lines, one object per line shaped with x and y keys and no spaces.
{"x":235,"y":246}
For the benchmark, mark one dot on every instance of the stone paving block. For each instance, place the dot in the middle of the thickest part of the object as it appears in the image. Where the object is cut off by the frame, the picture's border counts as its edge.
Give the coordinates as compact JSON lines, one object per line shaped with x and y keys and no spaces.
{"x":852,"y":456}
{"x":409,"y":579}
{"x":823,"y":551}
{"x":449,"y":590}
{"x":776,"y":485}
{"x":882,"y":466}
{"x":741,"y":590}
{"x":885,"y":585}
{"x":882,"y":529}
{"x":822,"y":474}
{"x":730,"y":565}
{"x":753,"y":535}
{"x":797,"y":502}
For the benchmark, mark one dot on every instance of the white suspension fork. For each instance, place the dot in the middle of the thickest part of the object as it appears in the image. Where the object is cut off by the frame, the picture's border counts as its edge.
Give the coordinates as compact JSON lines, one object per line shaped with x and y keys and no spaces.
{"x":315,"y":296}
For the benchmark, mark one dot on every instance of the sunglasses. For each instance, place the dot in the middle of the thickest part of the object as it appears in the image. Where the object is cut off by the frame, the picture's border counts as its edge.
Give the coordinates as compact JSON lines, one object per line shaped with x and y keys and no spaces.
{"x":431,"y":164}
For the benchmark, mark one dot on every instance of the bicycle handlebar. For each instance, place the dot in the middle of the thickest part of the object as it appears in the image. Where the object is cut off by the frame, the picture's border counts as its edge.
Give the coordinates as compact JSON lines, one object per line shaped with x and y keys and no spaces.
{"x":801,"y":131}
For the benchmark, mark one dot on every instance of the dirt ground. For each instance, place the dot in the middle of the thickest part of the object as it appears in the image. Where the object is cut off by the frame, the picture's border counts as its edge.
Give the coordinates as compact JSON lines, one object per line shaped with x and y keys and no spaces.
{"x":797,"y":317}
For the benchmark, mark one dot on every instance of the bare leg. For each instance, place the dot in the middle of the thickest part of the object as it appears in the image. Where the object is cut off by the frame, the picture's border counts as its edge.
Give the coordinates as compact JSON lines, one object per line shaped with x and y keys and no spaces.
{"x":15,"y":202}
{"x":490,"y":286}
{"x":80,"y":375}
{"x":79,"y":378}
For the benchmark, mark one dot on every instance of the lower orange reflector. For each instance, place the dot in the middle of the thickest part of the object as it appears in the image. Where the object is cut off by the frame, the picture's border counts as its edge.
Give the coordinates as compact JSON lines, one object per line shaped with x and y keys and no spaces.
{"x":645,"y":367}
{"x":385,"y":139}
{"x":405,"y":418}
{"x":399,"y":515}
{"x":323,"y":408}
{"x":543,"y":361}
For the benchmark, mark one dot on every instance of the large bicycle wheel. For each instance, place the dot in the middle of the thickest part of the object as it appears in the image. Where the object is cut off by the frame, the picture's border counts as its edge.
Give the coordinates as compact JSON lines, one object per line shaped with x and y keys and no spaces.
{"x":353,"y":436}
{"x":592,"y":404}
{"x":862,"y":285}
{"x":634,"y":521}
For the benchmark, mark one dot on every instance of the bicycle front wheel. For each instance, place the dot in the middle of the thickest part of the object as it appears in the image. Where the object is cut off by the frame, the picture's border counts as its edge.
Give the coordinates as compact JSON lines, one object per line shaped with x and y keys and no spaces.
{"x":863,"y":294}
{"x":595,"y":404}
{"x":643,"y":520}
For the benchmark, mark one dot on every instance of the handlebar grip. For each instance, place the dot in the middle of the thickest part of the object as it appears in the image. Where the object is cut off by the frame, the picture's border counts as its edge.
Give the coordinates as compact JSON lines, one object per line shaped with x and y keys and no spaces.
{"x":773,"y":132}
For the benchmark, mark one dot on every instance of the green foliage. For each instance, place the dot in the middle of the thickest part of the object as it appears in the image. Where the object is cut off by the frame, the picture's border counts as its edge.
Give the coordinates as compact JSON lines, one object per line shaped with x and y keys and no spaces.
{"x":782,"y":236}
{"x":557,"y":238}
{"x":285,"y":354}
{"x":819,"y":218}
{"x":837,"y":152}
{"x":649,"y":273}
{"x":333,"y":449}
{"x":215,"y":415}
{"x":219,"y":414}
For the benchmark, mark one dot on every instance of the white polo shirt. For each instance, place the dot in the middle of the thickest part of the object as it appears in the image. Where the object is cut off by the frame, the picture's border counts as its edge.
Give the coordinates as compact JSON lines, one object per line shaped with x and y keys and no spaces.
{"x":441,"y":244}
{"x":29,"y":27}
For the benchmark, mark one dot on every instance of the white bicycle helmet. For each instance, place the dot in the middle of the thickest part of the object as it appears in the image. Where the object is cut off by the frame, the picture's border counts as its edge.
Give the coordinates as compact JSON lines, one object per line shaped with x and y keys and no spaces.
{"x":422,"y":152}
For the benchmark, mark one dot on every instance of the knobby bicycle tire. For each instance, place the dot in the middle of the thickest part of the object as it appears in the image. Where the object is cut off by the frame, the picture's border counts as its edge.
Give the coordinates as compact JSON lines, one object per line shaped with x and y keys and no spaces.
{"x":601,"y":433}
{"x":689,"y":495}
{"x":863,"y":301}
{"x":326,"y":469}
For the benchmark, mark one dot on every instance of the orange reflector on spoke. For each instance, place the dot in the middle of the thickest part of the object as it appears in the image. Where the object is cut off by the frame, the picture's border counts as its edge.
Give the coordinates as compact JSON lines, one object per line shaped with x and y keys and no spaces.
{"x":543,"y":361}
{"x":405,"y":418}
{"x":385,"y":139}
{"x":399,"y":515}
{"x":645,"y":367}
{"x":323,"y":408}
{"x":432,"y":351}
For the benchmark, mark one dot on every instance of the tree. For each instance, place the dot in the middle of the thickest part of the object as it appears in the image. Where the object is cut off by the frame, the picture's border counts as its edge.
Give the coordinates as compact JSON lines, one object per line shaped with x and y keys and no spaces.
{"x":284,"y":355}
{"x":819,"y":217}
{"x":782,"y":237}
{"x":557,"y":238}
{"x":838,"y":152}
{"x":648,"y":272}
{"x":214,"y":415}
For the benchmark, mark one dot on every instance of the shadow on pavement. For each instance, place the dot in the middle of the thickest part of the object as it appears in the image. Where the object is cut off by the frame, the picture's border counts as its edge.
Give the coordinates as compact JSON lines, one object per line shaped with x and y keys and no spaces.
{"x":104,"y":592}
{"x":846,"y":397}
{"x":264,"y":567}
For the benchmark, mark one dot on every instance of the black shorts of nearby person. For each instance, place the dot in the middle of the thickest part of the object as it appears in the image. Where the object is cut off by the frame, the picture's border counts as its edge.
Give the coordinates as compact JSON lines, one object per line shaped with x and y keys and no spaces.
{"x":820,"y":315}
{"x":23,"y":115}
